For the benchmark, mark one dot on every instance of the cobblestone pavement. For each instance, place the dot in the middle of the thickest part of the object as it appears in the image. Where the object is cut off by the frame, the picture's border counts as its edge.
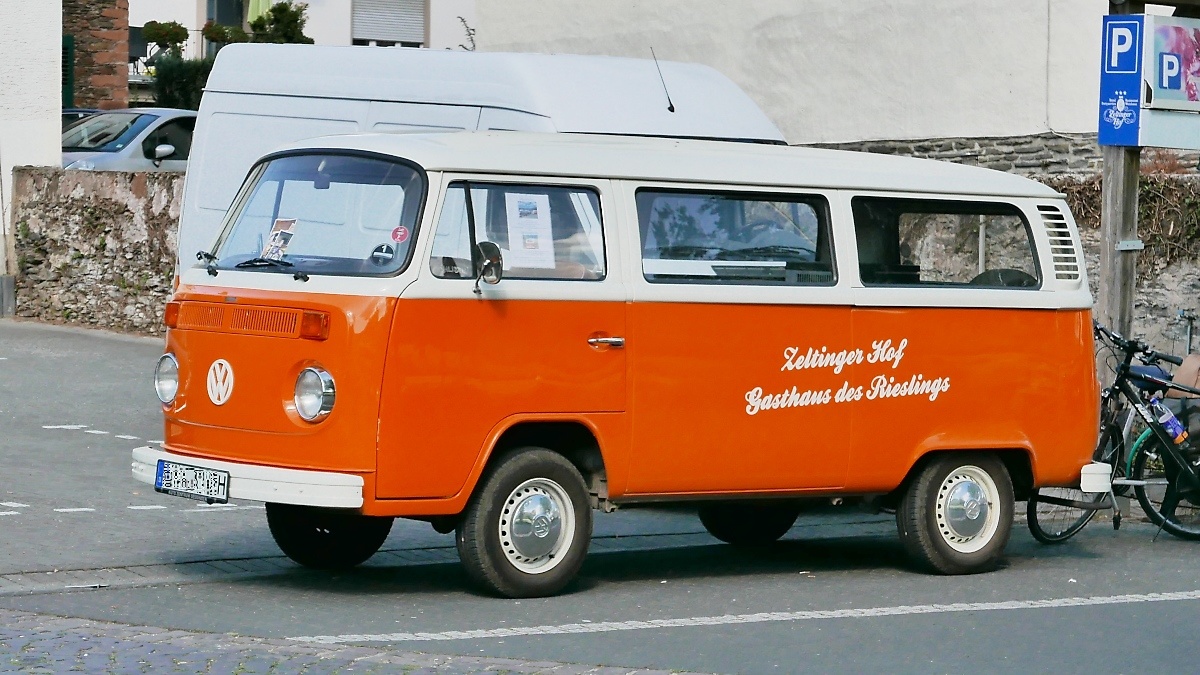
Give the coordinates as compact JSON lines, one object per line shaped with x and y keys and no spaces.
{"x":39,"y":643}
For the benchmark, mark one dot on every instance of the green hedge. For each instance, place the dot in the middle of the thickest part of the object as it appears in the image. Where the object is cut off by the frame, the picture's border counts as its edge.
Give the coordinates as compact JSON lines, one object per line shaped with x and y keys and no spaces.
{"x":179,"y":83}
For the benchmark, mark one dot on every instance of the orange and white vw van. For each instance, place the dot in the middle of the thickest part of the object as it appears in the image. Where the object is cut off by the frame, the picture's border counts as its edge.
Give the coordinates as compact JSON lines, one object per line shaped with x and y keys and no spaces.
{"x":500,"y":332}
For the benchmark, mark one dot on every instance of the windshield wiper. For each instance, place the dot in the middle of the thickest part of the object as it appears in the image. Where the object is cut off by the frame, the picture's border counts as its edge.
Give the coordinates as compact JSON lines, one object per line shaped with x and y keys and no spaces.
{"x":264,"y":262}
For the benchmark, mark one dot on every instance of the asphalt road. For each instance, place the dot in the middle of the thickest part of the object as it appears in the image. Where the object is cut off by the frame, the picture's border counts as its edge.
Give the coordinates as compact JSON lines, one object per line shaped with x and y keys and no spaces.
{"x":99,"y":573}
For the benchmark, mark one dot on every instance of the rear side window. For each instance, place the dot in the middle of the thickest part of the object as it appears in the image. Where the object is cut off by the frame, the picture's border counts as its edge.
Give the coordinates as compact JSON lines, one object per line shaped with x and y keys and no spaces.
{"x":543,"y":231}
{"x":711,"y":237}
{"x":918,"y":242}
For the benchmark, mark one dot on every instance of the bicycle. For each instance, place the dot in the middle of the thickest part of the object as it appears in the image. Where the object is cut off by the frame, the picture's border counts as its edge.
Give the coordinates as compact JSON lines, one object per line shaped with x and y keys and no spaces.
{"x":1162,"y":473}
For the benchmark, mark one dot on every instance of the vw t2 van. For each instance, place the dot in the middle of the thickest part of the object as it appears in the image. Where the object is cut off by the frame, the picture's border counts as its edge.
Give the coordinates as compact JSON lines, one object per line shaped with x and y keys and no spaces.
{"x":501,"y":332}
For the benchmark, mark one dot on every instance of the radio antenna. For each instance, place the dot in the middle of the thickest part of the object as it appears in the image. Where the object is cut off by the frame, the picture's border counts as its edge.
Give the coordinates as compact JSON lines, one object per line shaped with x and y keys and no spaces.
{"x":670,"y":106}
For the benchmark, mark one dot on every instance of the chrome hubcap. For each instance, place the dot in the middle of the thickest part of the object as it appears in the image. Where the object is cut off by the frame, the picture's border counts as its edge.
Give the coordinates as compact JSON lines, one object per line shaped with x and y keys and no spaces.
{"x":537,"y":525}
{"x":967,"y":509}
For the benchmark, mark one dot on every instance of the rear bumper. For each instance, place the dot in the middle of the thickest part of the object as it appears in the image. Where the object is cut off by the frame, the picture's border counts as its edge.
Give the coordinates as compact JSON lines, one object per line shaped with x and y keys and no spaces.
{"x":264,"y":483}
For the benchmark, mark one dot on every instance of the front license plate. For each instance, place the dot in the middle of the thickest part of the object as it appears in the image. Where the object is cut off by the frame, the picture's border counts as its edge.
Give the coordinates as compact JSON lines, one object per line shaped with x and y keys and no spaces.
{"x":193,"y":482}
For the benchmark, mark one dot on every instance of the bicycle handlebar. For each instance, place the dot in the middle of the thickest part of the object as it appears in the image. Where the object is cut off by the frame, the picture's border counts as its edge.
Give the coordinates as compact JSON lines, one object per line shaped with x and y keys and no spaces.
{"x":1153,"y":357}
{"x":1129,"y":346}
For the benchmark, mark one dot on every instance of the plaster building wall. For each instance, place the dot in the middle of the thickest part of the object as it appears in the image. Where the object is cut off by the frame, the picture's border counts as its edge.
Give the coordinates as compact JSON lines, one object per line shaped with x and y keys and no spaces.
{"x":30,"y":94}
{"x":830,"y":71}
{"x":445,"y":30}
{"x":101,"y":32}
{"x":329,"y":22}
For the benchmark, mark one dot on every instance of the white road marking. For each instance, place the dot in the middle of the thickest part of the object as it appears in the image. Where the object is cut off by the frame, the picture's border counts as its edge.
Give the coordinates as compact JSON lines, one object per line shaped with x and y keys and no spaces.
{"x":70,"y":427}
{"x":10,"y":513}
{"x":765,"y":617}
{"x":126,"y":437}
{"x":157,"y":442}
{"x":73,"y":510}
{"x":95,"y":431}
{"x":147,"y":507}
{"x":14,"y":505}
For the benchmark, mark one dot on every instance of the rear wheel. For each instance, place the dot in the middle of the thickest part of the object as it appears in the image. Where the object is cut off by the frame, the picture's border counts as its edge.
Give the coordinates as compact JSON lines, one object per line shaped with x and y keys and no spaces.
{"x":526,"y":530}
{"x":1160,"y":497}
{"x":956,"y":515}
{"x":1054,"y":516}
{"x":326,"y":539}
{"x":748,"y":523}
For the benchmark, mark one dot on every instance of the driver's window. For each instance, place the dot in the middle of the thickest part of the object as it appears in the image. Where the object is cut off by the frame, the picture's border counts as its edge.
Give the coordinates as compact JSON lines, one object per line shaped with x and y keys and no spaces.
{"x":543,"y":231}
{"x":177,"y":133}
{"x":917,"y":242}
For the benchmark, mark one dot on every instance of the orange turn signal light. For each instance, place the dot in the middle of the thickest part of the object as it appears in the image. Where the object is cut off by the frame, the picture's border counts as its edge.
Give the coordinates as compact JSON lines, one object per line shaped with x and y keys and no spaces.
{"x":314,"y":325}
{"x":171,"y":315}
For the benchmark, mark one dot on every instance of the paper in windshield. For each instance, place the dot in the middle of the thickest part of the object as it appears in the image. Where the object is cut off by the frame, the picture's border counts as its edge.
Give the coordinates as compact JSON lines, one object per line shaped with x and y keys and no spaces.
{"x":530,"y":240}
{"x":281,"y":236}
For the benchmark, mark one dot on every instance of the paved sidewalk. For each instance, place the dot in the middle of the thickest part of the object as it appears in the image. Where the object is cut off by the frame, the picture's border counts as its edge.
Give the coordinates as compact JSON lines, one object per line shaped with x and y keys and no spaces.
{"x":38,"y":643}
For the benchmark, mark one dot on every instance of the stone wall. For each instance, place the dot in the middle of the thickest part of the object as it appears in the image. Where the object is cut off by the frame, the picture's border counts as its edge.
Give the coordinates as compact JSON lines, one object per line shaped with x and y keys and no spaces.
{"x":1035,"y":155}
{"x":95,"y":248}
{"x":101,"y":32}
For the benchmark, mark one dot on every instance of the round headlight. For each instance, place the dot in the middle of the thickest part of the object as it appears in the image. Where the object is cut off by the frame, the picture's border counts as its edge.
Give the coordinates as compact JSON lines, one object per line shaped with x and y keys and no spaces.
{"x":166,"y":378}
{"x":314,"y":394}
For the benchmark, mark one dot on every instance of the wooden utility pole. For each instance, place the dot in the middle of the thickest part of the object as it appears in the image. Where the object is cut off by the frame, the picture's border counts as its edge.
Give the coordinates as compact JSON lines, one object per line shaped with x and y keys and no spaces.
{"x":1118,"y":223}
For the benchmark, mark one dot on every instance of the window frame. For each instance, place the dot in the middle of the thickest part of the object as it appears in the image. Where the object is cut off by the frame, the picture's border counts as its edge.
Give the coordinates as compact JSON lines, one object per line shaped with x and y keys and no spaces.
{"x":473,"y":182}
{"x":1001,"y":208}
{"x":255,"y":172}
{"x":819,"y":201}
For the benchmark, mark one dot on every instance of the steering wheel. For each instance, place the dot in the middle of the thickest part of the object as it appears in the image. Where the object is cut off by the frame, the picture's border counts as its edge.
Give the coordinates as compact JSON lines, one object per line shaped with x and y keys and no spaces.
{"x":1005,"y":278}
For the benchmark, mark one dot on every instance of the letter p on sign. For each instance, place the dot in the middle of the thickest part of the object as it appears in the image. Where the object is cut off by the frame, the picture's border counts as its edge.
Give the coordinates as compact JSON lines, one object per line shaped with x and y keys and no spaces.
{"x":1120,"y":47}
{"x":1170,"y":75}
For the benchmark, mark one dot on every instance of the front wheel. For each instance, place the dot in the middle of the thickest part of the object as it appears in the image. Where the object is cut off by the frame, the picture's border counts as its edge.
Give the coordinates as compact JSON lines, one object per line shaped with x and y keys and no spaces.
{"x":1160,"y":497}
{"x":956,"y":515}
{"x":326,"y":539}
{"x":1057,"y":514}
{"x":526,"y":530}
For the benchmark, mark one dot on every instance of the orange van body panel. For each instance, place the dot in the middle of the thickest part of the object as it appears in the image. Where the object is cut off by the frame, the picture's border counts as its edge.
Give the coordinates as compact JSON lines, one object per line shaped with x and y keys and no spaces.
{"x":426,"y":388}
{"x":458,"y":369}
{"x":691,"y":366}
{"x":258,"y":424}
{"x":1009,"y":371}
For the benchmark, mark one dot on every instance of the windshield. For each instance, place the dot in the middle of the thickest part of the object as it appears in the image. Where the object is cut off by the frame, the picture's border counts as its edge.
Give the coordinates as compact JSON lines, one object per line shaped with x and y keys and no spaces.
{"x":106,"y":132}
{"x":324,"y":214}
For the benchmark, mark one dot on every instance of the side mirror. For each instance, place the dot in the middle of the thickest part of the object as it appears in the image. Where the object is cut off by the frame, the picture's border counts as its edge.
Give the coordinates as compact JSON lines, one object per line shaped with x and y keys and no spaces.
{"x":491,"y":267}
{"x":163,"y":151}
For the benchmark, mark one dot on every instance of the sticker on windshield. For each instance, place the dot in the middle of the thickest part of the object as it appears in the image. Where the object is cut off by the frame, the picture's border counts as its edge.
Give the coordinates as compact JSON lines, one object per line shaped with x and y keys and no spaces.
{"x":281,"y":236}
{"x":400,"y":234}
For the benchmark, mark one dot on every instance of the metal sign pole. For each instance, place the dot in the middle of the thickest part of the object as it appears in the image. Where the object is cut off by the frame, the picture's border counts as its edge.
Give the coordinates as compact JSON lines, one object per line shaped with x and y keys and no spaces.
{"x":1118,"y":224}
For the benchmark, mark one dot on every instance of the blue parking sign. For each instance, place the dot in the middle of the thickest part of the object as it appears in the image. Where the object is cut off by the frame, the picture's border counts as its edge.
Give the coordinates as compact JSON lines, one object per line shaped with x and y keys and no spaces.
{"x":1121,"y":80}
{"x":1170,"y":71}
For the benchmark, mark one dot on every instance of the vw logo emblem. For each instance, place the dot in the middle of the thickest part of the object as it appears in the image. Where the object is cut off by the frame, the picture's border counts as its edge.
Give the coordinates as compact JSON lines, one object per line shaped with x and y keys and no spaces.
{"x":220,"y":382}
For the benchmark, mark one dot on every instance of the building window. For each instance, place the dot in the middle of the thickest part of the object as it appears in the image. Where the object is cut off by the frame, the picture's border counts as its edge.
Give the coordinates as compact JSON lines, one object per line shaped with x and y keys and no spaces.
{"x":388,"y":23}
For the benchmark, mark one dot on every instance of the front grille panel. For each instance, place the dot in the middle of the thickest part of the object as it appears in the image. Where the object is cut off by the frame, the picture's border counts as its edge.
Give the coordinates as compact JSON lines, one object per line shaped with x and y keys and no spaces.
{"x":245,"y":320}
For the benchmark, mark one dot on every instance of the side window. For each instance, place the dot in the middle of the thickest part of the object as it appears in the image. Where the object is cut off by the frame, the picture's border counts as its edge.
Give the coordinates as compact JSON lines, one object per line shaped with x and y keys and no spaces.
{"x":543,"y":231}
{"x":697,"y":237}
{"x":176,"y":133}
{"x":917,"y":242}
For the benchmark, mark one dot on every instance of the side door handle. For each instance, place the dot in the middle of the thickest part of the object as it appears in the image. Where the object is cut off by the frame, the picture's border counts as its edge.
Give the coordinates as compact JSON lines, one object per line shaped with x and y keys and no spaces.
{"x":616,"y":342}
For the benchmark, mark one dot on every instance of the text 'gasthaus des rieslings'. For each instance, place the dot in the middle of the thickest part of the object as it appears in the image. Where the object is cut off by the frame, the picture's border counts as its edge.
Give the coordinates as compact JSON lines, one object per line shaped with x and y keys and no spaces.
{"x":883,"y":353}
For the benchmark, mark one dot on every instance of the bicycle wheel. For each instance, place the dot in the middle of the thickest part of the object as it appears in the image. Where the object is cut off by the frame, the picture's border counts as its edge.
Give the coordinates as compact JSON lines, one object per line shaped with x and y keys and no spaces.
{"x":1056,"y":514}
{"x":1160,"y":497}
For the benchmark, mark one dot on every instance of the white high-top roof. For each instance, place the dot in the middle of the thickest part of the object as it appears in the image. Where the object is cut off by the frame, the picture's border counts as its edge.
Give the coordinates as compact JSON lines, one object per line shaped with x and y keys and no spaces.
{"x":696,"y":161}
{"x":581,"y":94}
